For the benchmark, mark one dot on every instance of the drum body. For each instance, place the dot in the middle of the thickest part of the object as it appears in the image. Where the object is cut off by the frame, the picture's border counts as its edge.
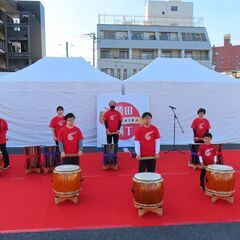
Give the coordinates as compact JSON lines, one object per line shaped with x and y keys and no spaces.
{"x":1,"y":160}
{"x":148,"y":189}
{"x":33,"y":157}
{"x":66,"y":180}
{"x":51,"y":156}
{"x":220,"y":180}
{"x":110,"y":154}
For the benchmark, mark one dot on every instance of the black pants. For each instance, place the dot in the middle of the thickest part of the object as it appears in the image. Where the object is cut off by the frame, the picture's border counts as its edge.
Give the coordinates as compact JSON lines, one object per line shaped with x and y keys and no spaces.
{"x":56,"y":143}
{"x":3,"y":149}
{"x":202,"y":177}
{"x":115,"y":138}
{"x":149,"y":165}
{"x":70,"y":160}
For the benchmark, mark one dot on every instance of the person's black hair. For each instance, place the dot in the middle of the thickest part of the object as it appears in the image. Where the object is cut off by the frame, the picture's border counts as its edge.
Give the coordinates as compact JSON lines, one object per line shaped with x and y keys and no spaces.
{"x":208,"y":135}
{"x":201,"y":110}
{"x":69,"y":115}
{"x":146,"y":114}
{"x":60,"y":108}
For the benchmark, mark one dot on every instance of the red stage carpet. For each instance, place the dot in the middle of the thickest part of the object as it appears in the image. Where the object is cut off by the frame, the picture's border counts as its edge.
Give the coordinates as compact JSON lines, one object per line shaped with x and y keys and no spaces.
{"x":27,"y":201}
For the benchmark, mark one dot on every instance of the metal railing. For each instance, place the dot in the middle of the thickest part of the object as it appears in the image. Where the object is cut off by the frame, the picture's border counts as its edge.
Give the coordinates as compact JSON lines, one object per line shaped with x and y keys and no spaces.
{"x":141,"y":20}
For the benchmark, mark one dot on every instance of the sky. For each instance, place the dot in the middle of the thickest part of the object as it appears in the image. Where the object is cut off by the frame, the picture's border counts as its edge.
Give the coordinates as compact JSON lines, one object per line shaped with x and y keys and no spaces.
{"x":70,"y":20}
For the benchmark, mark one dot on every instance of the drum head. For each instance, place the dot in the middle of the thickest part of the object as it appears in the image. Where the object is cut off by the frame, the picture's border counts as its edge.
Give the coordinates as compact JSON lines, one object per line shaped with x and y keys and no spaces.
{"x":67,"y":168}
{"x":218,"y":167}
{"x":147,"y":176}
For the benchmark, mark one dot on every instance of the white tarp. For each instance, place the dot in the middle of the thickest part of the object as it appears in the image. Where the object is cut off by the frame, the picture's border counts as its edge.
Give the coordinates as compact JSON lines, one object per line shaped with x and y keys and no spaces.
{"x":28,"y":99}
{"x":187,"y":85}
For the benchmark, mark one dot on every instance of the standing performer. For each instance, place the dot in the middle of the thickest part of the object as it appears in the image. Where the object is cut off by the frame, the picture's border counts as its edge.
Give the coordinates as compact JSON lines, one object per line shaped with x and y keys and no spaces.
{"x":57,"y":123}
{"x":207,"y":153}
{"x":70,"y":141}
{"x":200,"y":126}
{"x":3,"y":142}
{"x":113,"y":122}
{"x":147,"y":144}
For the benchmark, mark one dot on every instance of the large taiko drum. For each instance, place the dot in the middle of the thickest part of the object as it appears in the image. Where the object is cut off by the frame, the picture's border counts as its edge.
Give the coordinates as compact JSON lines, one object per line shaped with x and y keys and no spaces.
{"x":148,"y":189}
{"x":1,"y":160}
{"x":220,"y":180}
{"x":66,"y":180}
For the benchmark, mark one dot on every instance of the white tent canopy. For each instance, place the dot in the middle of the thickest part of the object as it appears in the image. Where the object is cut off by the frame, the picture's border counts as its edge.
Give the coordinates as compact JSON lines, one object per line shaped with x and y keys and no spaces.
{"x":29,"y":97}
{"x":187,"y":85}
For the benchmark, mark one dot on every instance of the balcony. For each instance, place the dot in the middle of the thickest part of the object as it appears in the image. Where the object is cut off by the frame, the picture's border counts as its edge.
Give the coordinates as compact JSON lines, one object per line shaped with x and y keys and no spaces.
{"x":114,"y":54}
{"x":17,"y":32}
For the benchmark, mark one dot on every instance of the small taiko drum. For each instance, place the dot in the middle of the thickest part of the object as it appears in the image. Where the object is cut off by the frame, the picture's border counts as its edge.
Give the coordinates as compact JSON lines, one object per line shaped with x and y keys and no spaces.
{"x":220,"y":180}
{"x":66,"y":180}
{"x":33,"y":157}
{"x":51,"y":156}
{"x":1,"y":160}
{"x":110,"y":154}
{"x":148,"y":189}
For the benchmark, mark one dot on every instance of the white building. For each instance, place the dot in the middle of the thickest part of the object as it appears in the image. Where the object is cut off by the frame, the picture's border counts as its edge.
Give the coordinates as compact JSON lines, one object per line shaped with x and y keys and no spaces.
{"x":126,"y":44}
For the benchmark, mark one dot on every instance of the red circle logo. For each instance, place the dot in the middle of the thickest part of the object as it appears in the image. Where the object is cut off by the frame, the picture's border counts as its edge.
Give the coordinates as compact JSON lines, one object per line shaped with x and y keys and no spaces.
{"x":131,"y":120}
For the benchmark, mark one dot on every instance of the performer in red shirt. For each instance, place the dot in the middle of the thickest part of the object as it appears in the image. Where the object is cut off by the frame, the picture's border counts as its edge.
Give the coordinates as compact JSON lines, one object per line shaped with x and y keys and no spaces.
{"x":70,"y":141}
{"x":3,"y":141}
{"x":207,"y":153}
{"x":113,"y":122}
{"x":200,"y":126}
{"x":57,"y":123}
{"x":147,"y":144}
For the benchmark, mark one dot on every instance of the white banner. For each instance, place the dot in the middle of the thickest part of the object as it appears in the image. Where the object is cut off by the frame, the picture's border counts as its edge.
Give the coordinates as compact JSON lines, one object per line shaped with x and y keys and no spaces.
{"x":131,"y":107}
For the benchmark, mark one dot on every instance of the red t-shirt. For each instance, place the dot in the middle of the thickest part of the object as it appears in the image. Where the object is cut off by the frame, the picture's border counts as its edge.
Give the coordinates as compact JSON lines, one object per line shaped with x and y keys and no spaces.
{"x":207,"y":152}
{"x":201,"y":125}
{"x":3,"y":131}
{"x":57,"y":123}
{"x":147,"y":137}
{"x":70,"y":138}
{"x":112,"y":117}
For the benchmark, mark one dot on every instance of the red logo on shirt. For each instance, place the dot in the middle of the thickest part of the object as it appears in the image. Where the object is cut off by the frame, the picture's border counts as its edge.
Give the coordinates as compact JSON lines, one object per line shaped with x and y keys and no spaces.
{"x":208,"y":152}
{"x":112,"y":117}
{"x":201,"y":125}
{"x":131,"y":120}
{"x":148,"y":135}
{"x":61,"y":123}
{"x":70,"y":136}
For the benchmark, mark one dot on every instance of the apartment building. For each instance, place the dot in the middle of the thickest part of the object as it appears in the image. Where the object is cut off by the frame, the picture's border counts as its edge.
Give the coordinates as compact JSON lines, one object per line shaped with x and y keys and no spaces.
{"x":22,"y":34}
{"x":126,"y":44}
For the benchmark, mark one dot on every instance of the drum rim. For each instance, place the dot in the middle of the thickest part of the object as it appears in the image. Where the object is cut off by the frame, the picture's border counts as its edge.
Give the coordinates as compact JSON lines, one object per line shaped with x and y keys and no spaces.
{"x":219,"y":170}
{"x":74,"y":169}
{"x":148,"y":173}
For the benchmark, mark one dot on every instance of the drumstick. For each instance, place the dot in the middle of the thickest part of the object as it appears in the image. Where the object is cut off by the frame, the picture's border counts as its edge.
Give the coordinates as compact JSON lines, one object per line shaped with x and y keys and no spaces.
{"x":112,"y":133}
{"x":148,"y":158}
{"x":71,"y":155}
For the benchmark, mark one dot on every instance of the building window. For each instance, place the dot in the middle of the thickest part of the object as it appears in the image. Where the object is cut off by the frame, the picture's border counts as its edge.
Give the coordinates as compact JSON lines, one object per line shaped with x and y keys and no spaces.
{"x":169,"y":36}
{"x":144,"y":53}
{"x":197,"y":54}
{"x":143,"y":36}
{"x":134,"y":71}
{"x":118,"y":35}
{"x":119,"y":73}
{"x":194,"y":37}
{"x":114,"y":53}
{"x":171,"y":53}
{"x":124,"y":73}
{"x":174,"y":8}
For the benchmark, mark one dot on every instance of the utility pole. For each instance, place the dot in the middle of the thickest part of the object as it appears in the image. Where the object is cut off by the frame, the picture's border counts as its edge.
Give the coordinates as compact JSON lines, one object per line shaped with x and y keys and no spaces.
{"x":94,"y":38}
{"x":67,"y":49}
